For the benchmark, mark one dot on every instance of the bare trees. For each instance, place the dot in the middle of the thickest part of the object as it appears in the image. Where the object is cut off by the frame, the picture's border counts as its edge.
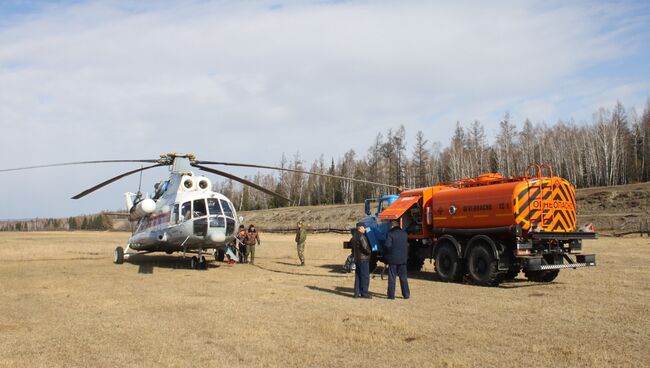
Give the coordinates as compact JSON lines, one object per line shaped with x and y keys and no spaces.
{"x":420,"y":161}
{"x":504,"y":148}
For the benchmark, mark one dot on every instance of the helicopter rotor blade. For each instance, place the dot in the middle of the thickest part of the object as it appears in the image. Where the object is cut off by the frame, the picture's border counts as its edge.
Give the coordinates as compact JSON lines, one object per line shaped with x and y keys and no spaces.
{"x":105,"y":183}
{"x":297,"y":171}
{"x":75,"y":163}
{"x":241,"y":180}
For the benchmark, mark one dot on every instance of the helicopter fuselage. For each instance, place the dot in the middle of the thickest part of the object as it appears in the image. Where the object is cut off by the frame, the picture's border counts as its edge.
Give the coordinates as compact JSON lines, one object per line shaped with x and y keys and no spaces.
{"x":188,"y":216}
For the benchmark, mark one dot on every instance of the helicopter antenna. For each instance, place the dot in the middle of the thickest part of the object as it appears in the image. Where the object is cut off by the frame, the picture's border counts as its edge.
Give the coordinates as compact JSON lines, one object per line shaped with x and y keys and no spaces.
{"x":139,"y":195}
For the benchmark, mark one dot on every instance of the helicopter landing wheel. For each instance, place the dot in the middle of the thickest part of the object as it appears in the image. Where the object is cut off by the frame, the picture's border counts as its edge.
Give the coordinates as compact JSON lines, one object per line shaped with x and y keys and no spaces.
{"x":219,"y":255}
{"x":119,"y":255}
{"x":194,"y":263}
{"x":203,"y":265}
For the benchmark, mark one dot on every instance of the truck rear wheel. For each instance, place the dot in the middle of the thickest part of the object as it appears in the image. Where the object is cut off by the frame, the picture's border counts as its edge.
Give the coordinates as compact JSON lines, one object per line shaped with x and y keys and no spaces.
{"x":448,"y":265}
{"x":541,"y":276}
{"x":482,"y":266}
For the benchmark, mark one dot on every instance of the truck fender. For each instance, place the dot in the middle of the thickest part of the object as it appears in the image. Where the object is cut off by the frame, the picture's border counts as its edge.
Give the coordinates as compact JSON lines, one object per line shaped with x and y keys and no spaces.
{"x":476,"y":239}
{"x":447,"y":239}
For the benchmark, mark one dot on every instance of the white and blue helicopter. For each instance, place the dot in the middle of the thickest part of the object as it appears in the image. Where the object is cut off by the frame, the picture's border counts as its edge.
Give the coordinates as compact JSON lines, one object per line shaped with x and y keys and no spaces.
{"x":184,"y":214}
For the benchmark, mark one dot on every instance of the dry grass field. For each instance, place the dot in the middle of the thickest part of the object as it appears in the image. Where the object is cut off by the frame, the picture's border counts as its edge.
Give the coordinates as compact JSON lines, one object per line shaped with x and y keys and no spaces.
{"x":64,"y":303}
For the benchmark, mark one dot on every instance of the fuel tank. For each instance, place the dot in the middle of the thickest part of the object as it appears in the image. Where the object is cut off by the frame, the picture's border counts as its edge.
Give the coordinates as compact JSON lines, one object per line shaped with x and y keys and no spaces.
{"x":142,"y":208}
{"x":543,"y":204}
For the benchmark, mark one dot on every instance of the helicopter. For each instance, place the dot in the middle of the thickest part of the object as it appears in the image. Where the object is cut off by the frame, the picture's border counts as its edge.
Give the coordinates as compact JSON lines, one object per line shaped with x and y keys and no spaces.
{"x":184,"y":214}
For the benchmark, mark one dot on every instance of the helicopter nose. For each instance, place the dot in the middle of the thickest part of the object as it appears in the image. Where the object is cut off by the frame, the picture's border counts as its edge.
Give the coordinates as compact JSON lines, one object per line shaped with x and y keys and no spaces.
{"x":217,"y":237}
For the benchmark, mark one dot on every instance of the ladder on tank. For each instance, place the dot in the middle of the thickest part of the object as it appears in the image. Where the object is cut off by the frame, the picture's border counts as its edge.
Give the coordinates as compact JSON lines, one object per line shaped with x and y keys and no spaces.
{"x":545,"y":193}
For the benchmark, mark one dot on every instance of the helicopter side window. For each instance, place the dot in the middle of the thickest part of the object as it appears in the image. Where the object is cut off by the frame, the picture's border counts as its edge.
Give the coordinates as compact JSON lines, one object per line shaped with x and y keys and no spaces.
{"x":227,"y":210}
{"x":175,"y":218}
{"x":186,"y":210}
{"x":199,"y":208}
{"x":213,"y":207}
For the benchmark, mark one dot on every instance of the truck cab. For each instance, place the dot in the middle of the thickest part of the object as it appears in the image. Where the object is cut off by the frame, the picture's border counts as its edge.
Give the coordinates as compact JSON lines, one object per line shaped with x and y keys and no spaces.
{"x":376,"y":230}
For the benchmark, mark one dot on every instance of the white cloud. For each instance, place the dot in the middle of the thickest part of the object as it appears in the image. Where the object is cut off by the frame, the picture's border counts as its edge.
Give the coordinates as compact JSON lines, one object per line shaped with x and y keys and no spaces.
{"x":245,"y":82}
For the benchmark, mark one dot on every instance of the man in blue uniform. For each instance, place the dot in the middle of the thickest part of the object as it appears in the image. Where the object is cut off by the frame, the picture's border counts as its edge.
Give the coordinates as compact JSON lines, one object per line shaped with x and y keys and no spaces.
{"x":396,"y":255}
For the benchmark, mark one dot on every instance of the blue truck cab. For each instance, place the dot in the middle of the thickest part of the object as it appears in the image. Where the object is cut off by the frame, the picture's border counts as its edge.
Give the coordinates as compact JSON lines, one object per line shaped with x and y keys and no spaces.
{"x":376,"y":230}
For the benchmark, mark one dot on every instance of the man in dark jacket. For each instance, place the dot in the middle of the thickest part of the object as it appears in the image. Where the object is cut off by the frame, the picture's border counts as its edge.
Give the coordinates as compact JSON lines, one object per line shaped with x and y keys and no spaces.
{"x":396,"y":254}
{"x":361,"y":254}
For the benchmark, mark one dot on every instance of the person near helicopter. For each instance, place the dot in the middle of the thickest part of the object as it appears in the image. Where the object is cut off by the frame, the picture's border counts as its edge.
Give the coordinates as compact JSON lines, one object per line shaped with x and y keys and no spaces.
{"x":241,"y":240}
{"x":252,"y":238}
{"x":301,"y":237}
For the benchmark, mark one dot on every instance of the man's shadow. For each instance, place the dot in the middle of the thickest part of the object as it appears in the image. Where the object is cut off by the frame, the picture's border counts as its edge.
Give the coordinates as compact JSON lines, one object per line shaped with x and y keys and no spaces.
{"x":342,"y":291}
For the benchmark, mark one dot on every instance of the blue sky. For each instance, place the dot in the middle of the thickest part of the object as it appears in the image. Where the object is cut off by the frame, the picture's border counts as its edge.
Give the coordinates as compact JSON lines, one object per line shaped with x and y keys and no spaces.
{"x":248,"y":81}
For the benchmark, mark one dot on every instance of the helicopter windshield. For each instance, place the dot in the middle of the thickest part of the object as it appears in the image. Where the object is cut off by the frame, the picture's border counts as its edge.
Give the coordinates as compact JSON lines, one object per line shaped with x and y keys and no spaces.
{"x":227,"y":210}
{"x":213,"y":207}
{"x":199,"y":208}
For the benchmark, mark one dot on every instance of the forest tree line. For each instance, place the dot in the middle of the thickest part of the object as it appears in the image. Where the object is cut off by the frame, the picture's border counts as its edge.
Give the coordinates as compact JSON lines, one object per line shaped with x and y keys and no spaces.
{"x":612,"y":149}
{"x":100,"y":222}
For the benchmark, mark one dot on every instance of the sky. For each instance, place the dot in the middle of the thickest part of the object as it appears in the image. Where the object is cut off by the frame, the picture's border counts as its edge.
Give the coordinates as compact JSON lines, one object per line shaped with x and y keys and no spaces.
{"x":248,"y":81}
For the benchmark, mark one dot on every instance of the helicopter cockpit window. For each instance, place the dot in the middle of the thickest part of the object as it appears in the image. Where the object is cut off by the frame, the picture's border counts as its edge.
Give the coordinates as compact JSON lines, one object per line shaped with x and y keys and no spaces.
{"x":227,"y":210}
{"x":213,"y":207}
{"x":186,"y":211}
{"x":199,"y":208}
{"x":217,"y":221}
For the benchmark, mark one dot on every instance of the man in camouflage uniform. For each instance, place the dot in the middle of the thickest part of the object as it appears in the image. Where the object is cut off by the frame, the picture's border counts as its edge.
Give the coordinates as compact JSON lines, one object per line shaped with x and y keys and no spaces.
{"x":301,"y":236}
{"x":252,"y":238}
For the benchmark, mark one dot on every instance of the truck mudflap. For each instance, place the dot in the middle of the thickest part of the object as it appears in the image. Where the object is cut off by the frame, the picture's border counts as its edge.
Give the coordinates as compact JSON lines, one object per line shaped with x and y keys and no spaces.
{"x":539,"y":264}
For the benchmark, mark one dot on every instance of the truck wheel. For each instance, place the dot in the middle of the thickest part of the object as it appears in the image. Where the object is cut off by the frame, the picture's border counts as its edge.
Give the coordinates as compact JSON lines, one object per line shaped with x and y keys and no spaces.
{"x":482,"y":266}
{"x":542,"y":276}
{"x":448,"y":265}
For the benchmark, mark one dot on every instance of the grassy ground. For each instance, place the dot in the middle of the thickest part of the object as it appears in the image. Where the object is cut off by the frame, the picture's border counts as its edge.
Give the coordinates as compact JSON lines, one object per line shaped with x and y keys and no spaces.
{"x":63,"y":303}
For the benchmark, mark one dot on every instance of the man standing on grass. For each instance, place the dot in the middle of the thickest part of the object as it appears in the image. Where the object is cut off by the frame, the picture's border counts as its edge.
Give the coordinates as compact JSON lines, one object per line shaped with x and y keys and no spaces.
{"x":301,"y":237}
{"x":361,"y":254}
{"x":396,"y":254}
{"x":252,"y":238}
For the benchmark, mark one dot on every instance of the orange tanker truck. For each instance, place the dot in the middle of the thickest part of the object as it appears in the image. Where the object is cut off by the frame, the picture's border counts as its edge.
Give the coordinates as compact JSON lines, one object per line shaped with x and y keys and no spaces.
{"x":491,"y":227}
